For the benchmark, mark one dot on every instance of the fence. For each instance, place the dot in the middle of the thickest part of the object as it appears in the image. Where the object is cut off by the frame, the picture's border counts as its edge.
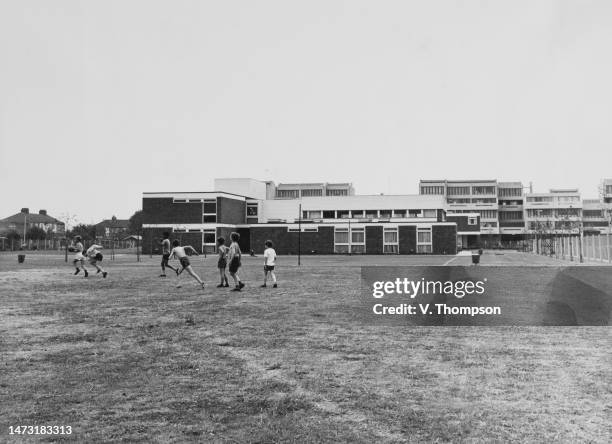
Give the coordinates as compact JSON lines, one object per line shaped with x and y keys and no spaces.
{"x":592,"y":248}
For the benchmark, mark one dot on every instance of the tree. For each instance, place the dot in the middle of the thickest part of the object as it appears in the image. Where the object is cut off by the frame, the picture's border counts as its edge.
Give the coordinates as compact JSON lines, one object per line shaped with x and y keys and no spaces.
{"x":36,"y":233}
{"x":13,"y":235}
{"x":135,"y":222}
{"x":87,"y":232}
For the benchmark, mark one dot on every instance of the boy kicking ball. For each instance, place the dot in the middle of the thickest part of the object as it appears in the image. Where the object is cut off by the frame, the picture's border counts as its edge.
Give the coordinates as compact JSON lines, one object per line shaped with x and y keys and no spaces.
{"x":269,"y":262}
{"x":180,"y":253}
{"x":94,"y":256}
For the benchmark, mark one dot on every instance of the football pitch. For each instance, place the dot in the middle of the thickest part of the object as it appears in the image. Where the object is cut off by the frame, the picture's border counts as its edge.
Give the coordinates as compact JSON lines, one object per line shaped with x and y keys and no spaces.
{"x":132,"y":358}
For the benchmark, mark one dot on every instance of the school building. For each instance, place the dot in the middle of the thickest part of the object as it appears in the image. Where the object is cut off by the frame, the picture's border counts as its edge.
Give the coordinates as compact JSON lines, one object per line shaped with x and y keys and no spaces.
{"x":316,"y":219}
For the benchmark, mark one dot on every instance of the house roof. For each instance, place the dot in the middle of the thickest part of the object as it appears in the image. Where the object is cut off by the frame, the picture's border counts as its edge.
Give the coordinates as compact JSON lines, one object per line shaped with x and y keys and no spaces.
{"x":118,"y":223}
{"x":31,"y":218}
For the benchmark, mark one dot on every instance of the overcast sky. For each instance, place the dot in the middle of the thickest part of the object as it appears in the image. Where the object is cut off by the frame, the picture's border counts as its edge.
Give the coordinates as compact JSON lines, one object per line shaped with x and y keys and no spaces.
{"x":102,"y":100}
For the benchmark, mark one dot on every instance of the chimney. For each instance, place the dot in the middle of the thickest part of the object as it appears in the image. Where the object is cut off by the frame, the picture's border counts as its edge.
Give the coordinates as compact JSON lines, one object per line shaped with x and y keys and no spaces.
{"x":43,"y":212}
{"x":25,"y":210}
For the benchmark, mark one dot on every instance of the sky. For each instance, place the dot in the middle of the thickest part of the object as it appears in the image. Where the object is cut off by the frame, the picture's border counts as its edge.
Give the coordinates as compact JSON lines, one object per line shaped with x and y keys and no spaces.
{"x":101,"y":101}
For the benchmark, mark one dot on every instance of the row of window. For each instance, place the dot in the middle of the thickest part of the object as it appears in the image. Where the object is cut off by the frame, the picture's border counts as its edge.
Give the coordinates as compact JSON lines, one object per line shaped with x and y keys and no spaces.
{"x":371,"y":214}
{"x":309,"y":192}
{"x":467,"y":200}
{"x":484,"y":214}
{"x":557,"y":213}
{"x":353,"y":240}
{"x":510,"y":192}
{"x":559,"y":199}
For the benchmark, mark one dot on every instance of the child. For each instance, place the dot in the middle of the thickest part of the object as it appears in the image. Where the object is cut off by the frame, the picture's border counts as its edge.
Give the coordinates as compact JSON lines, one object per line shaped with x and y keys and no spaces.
{"x":222,"y":263}
{"x":95,"y":256}
{"x":234,"y":257}
{"x":165,"y":244}
{"x":269,"y":261}
{"x":77,"y":248}
{"x":180,"y":253}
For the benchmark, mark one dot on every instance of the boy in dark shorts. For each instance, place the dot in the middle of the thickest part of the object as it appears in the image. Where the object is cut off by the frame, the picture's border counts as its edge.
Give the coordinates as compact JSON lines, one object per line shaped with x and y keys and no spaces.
{"x":234,"y":257}
{"x":269,"y":263}
{"x":165,"y":244}
{"x":222,"y":262}
{"x":181,"y":254}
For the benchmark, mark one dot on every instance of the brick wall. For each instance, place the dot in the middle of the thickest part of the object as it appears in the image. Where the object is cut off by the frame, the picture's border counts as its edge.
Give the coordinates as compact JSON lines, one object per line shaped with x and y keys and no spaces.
{"x":407,"y":239}
{"x":462,"y":223}
{"x":444,"y":239}
{"x":164,"y":211}
{"x":286,"y":242}
{"x":374,"y":239}
{"x":231,"y":211}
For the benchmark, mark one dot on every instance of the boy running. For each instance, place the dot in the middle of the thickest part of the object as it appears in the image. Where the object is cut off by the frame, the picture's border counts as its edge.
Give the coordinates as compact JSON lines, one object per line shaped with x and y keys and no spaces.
{"x":269,"y":262}
{"x":77,"y":248}
{"x":234,"y":256}
{"x":94,"y":256}
{"x":222,"y":263}
{"x":180,"y":253}
{"x":165,"y":244}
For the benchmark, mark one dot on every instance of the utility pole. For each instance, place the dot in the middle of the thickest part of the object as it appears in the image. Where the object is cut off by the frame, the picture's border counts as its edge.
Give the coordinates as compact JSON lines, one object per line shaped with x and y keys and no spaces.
{"x":300,"y":235}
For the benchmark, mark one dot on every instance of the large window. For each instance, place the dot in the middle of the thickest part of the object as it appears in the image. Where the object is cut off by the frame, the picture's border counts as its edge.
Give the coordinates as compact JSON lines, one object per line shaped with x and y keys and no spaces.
{"x":357,"y":213}
{"x":358,"y":240}
{"x":210,"y":211}
{"x":385,"y":214}
{"x":424,"y":244}
{"x":399,"y":213}
{"x":336,"y":192}
{"x":390,"y":241}
{"x":430,"y":213}
{"x":209,"y":241}
{"x":252,"y":210}
{"x":353,"y":241}
{"x":341,"y":240}
{"x":343,"y":214}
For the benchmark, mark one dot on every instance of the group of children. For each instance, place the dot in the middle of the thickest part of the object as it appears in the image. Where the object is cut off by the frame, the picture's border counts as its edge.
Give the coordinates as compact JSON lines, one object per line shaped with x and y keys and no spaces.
{"x":229,"y":258}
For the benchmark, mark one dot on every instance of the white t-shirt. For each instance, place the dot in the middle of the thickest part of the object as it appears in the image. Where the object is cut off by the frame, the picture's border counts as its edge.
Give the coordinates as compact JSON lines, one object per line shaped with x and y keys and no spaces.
{"x":178,"y":252}
{"x":93,"y":250}
{"x":270,"y":256}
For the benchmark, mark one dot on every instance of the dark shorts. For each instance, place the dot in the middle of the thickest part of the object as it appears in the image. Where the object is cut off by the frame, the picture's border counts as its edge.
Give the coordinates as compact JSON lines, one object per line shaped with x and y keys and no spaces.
{"x":234,"y":265}
{"x":222,"y":264}
{"x":184,"y":262}
{"x":99,"y":257}
{"x":268,"y":267}
{"x":165,"y":258}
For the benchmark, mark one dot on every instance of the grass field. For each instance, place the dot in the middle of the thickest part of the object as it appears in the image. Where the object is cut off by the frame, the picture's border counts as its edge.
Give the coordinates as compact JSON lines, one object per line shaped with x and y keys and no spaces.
{"x":132,"y":358}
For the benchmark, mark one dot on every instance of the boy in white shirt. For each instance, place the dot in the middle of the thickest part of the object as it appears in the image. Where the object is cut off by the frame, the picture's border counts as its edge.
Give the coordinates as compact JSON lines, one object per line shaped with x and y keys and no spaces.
{"x":77,"y":248}
{"x":94,"y":256}
{"x":269,"y":263}
{"x":180,"y":253}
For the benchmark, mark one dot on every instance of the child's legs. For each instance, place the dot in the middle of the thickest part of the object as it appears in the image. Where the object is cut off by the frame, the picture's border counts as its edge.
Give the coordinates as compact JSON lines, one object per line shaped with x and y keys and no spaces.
{"x":273,"y":276}
{"x":192,"y":273}
{"x":265,"y":275}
